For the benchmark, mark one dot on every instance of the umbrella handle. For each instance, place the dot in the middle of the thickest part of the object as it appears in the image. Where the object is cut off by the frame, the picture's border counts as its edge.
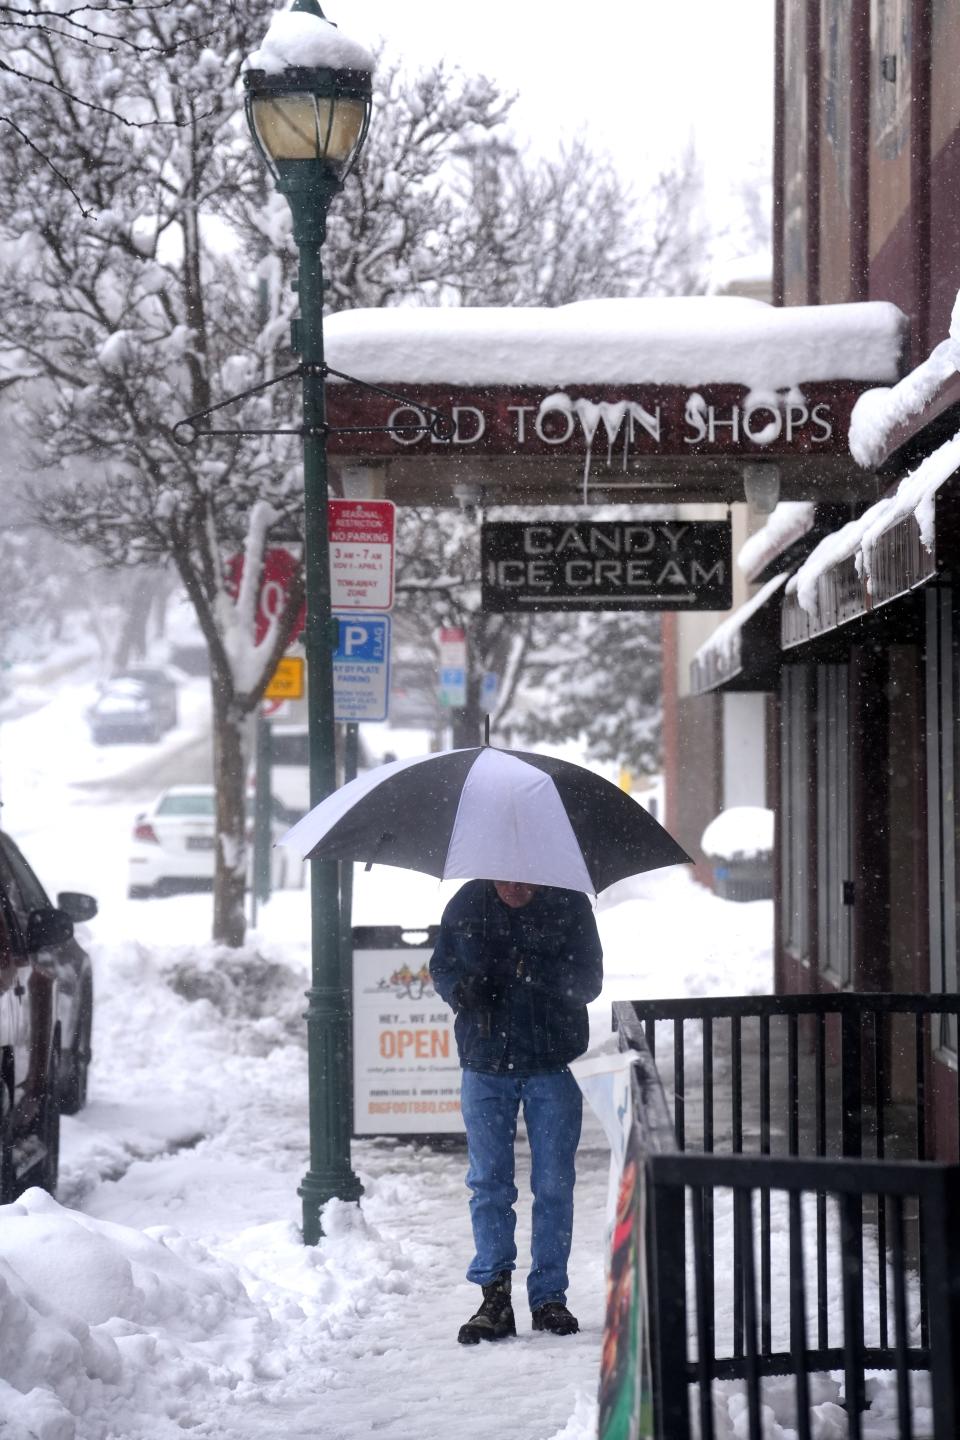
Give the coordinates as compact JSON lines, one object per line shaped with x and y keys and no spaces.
{"x":384,"y":839}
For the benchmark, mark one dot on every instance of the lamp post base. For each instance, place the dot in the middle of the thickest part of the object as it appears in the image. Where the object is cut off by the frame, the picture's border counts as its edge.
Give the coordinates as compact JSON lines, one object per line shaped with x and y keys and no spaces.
{"x":315,"y":1189}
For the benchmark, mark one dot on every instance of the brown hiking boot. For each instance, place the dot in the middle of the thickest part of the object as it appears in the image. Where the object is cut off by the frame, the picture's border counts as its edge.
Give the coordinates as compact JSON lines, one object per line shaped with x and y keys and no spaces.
{"x":494,"y":1320}
{"x":555,"y":1318}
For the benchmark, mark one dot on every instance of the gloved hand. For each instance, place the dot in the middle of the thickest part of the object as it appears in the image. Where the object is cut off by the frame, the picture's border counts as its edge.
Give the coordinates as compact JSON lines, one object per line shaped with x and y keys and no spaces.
{"x":477,"y":992}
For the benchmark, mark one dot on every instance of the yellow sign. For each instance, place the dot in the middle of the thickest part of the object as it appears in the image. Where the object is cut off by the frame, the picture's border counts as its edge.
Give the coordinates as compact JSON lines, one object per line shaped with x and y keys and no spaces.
{"x":286,"y":682}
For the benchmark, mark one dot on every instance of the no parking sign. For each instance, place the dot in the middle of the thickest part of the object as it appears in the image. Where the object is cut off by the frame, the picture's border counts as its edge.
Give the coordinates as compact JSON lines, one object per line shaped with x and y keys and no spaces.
{"x":361,"y":668}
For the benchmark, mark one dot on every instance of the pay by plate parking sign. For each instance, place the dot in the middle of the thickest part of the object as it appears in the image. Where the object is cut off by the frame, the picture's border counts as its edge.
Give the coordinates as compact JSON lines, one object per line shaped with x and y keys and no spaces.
{"x":361,"y":668}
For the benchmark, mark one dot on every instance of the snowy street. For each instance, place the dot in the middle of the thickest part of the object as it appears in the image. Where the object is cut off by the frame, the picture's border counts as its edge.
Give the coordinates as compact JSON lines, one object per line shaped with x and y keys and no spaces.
{"x":168,"y":1288}
{"x":521,"y":442}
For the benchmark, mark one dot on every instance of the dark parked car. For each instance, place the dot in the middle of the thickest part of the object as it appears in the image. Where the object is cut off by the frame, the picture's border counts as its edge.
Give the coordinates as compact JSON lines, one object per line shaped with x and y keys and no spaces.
{"x":161,"y":685}
{"x":125,"y":711}
{"x":46,"y":1017}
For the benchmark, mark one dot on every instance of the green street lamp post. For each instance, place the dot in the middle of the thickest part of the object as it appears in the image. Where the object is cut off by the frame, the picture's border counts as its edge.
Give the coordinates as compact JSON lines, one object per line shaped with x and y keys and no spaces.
{"x":309,"y":124}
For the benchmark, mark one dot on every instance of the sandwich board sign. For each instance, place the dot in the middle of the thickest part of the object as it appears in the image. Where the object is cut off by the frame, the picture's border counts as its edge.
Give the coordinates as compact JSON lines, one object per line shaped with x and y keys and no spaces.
{"x":406,"y":1075}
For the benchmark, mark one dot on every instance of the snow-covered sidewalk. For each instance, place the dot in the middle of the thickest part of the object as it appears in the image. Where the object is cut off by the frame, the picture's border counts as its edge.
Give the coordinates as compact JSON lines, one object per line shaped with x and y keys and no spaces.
{"x":175,"y":1293}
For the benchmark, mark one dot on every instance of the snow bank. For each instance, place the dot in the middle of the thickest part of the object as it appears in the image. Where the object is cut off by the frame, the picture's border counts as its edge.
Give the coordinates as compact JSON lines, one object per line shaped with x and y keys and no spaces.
{"x":297,"y":39}
{"x":740,"y":833}
{"x":694,"y":340}
{"x":91,"y":1311}
{"x":663,"y":935}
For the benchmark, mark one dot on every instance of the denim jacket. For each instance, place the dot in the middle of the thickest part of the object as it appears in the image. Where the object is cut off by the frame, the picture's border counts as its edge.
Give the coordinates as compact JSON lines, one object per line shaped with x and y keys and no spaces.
{"x":544,"y":962}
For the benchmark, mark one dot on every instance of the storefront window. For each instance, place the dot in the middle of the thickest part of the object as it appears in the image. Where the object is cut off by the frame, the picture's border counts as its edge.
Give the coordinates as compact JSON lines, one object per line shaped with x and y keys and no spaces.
{"x":795,"y":787}
{"x":834,"y":831}
{"x":892,"y":42}
{"x":795,"y":154}
{"x":836,"y":88}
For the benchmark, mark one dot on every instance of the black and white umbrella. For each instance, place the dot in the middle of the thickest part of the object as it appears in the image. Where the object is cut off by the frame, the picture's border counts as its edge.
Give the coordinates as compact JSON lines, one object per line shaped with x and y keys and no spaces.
{"x":489,"y":814}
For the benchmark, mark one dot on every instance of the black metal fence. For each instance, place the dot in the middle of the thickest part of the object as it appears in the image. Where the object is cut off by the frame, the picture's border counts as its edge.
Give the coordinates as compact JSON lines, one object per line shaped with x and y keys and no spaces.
{"x":835,"y":1074}
{"x":808,"y":1260}
{"x":802,"y":1339}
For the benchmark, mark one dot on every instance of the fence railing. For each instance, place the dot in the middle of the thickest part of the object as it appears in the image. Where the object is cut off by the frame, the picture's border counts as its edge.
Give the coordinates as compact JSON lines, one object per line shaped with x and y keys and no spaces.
{"x":843,"y":1074}
{"x":679,"y":1185}
{"x":806,"y":1257}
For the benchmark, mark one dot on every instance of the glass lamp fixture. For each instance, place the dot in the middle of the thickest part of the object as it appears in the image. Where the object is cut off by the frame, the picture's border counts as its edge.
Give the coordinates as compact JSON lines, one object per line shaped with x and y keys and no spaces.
{"x":294,"y":126}
{"x":304,"y":119}
{"x":293,"y":121}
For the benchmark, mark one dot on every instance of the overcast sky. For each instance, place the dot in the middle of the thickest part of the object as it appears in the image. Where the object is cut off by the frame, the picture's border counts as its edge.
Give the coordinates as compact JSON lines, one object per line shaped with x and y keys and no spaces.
{"x":643,"y":77}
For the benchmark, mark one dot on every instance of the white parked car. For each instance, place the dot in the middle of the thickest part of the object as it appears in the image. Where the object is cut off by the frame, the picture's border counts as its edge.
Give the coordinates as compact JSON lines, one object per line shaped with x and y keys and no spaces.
{"x":173,"y":845}
{"x":290,"y":768}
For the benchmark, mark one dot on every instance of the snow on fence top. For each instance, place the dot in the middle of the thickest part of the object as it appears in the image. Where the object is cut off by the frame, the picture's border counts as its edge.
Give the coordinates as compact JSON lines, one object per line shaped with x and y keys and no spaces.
{"x":295,"y":38}
{"x":679,"y":341}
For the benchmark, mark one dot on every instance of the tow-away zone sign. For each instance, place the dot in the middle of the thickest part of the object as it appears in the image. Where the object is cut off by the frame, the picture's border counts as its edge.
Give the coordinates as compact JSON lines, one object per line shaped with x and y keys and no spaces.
{"x":606,"y":565}
{"x":361,"y":553}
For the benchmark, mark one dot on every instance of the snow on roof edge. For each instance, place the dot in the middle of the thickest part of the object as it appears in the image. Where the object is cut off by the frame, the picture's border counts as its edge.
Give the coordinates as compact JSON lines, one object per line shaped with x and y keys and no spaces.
{"x":719,"y":641}
{"x":789,"y":522}
{"x":879,"y":412}
{"x":915,"y":495}
{"x":682,"y":340}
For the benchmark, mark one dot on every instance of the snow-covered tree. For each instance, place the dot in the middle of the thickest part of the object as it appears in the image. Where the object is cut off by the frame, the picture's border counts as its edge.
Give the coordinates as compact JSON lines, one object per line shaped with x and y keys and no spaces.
{"x":128,"y":321}
{"x":597,"y":677}
{"x":39,"y":38}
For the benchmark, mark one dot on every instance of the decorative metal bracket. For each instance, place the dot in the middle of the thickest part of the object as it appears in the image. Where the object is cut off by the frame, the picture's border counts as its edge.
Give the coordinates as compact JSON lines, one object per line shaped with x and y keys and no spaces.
{"x":188,"y":430}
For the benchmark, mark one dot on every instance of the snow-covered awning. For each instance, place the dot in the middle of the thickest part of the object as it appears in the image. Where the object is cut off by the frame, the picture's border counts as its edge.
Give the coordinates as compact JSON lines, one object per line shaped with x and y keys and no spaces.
{"x":686,"y":340}
{"x":653,"y":400}
{"x":891,"y":548}
{"x":790,"y":521}
{"x":743,"y":653}
{"x":836,"y":589}
{"x":884,"y":420}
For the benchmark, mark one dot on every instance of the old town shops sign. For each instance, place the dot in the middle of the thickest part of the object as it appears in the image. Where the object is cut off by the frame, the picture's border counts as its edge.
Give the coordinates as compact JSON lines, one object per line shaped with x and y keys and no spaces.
{"x":606,"y":565}
{"x":634,"y":423}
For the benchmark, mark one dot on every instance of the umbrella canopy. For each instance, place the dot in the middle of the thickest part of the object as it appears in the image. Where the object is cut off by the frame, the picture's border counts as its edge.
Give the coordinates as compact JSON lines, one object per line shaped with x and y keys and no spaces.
{"x":488,"y":814}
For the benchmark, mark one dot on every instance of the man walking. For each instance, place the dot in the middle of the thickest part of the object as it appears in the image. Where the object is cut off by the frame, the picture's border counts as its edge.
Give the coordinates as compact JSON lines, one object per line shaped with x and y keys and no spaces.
{"x":518,"y":964}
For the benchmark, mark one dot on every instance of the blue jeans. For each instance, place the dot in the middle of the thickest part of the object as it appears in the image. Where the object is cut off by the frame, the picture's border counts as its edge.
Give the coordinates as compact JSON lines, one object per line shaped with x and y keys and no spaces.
{"x":552,"y":1110}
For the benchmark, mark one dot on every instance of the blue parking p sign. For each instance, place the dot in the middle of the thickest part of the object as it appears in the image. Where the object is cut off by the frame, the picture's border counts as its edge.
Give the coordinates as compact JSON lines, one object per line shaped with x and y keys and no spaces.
{"x":361,"y":668}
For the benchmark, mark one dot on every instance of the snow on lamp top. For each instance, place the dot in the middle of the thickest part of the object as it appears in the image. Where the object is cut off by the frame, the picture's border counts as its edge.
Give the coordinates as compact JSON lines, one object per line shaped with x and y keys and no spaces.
{"x":308,"y":98}
{"x":305,"y":39}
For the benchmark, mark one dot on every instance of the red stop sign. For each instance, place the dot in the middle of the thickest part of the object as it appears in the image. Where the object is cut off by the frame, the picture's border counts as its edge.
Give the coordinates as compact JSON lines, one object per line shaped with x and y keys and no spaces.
{"x":279,"y":568}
